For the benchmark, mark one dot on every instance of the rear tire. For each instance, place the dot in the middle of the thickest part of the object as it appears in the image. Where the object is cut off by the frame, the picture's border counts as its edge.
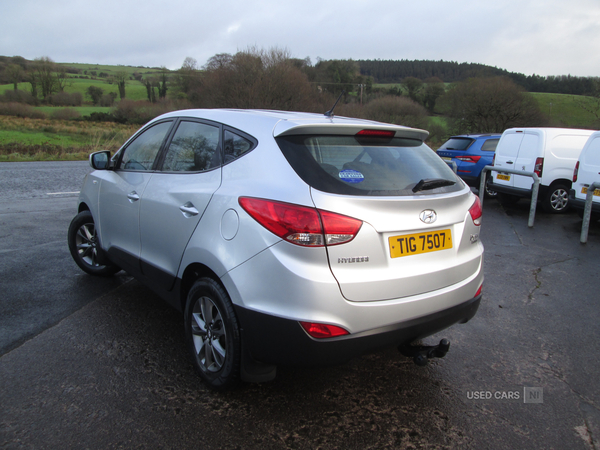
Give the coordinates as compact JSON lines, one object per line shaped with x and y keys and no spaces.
{"x":556,"y":200}
{"x":212,"y":334}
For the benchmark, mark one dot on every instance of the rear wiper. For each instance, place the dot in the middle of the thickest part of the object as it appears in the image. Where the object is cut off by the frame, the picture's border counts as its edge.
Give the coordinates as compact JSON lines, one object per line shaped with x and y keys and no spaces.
{"x":432,"y":183}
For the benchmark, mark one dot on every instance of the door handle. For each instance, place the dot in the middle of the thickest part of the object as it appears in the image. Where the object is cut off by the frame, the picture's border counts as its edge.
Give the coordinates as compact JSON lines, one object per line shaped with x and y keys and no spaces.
{"x":509,"y":162}
{"x":133,"y":197}
{"x":188,"y":210}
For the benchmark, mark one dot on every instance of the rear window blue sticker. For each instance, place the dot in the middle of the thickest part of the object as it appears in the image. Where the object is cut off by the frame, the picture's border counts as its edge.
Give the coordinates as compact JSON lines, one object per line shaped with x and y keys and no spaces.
{"x":351,"y":176}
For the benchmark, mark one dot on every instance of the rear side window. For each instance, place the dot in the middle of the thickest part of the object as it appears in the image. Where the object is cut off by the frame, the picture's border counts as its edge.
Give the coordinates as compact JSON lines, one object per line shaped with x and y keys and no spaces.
{"x":457,"y":144}
{"x":350,"y":166}
{"x":490,"y":145}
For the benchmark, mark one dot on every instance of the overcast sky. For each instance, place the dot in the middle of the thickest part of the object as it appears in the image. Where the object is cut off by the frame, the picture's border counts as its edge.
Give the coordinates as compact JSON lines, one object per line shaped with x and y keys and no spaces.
{"x":545,"y":37}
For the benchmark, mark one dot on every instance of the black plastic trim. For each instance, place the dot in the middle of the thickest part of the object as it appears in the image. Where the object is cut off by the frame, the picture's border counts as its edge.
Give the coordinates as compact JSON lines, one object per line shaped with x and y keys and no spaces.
{"x":274,"y":340}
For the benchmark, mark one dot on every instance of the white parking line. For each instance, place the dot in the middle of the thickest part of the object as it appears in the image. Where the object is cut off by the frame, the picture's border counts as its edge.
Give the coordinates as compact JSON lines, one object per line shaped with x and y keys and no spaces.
{"x":61,"y":193}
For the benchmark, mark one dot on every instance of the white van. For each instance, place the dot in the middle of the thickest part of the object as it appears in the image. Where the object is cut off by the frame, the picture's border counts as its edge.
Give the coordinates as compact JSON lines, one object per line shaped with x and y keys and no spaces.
{"x":587,"y":171}
{"x":549,"y":152}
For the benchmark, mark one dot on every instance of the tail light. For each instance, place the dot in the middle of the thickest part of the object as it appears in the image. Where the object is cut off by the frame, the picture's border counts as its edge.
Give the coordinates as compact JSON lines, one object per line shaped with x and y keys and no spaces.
{"x":471,"y":159}
{"x":494,"y":159}
{"x":539,"y":167}
{"x":323,"y":330}
{"x":301,"y":225}
{"x":476,"y":212}
{"x":576,"y":172}
{"x":478,"y":293}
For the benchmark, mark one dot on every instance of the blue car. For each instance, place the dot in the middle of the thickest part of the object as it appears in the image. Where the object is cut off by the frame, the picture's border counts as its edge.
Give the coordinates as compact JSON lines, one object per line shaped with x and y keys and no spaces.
{"x":471,"y":153}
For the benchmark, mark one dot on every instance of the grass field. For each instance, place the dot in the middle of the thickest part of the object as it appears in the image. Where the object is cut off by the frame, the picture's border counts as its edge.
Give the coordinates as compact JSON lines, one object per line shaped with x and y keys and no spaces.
{"x":45,"y":139}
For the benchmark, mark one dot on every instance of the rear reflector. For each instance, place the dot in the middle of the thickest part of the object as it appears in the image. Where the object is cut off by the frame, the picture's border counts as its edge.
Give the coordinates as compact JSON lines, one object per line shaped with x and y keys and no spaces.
{"x":301,"y":225}
{"x":323,"y":330}
{"x":478,"y":293}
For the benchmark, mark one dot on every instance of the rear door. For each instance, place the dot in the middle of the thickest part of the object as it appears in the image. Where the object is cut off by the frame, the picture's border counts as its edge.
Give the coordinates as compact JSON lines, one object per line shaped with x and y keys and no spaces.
{"x":529,"y":151}
{"x":506,"y":156}
{"x":176,"y":198}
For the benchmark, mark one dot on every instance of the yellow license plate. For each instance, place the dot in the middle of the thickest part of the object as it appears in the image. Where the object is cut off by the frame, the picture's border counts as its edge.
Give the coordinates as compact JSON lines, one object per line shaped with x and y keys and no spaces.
{"x":414,"y":244}
{"x":446,"y":159}
{"x":503,"y":177}
{"x":596,"y":192}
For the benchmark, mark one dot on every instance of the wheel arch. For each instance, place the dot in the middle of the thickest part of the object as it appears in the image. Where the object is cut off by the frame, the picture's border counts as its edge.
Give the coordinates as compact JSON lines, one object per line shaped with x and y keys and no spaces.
{"x":194,"y":272}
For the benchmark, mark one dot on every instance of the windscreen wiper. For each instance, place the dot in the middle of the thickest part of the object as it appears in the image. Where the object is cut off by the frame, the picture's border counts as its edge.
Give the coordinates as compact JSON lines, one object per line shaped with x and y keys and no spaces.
{"x":432,"y":183}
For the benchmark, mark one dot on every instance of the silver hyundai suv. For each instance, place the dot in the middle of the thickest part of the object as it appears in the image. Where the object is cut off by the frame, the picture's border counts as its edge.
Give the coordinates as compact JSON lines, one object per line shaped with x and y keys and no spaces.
{"x":284,"y":238}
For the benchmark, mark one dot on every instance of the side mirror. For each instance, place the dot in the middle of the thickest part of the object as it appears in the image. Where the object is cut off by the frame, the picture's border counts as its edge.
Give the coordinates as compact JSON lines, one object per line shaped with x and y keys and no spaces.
{"x":100,"y":160}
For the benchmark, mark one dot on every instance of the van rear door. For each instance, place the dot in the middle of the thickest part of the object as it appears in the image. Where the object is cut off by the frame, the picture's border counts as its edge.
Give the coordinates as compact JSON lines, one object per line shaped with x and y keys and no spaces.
{"x":529,"y":151}
{"x":506,"y":156}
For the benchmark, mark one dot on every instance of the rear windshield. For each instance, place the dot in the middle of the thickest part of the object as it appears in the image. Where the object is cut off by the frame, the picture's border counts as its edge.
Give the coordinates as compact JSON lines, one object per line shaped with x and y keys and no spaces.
{"x":355,"y":166}
{"x":456,"y":144}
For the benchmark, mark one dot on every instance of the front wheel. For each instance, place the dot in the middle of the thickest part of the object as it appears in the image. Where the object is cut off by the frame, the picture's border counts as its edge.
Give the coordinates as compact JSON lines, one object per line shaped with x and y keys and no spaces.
{"x":212,"y":334}
{"x":556,"y":200}
{"x":85,"y":246}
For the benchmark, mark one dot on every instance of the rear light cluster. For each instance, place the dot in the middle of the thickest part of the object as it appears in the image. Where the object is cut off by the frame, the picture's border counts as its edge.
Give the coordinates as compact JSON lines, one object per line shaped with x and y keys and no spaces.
{"x":301,"y":225}
{"x":539,"y":167}
{"x":476,"y":212}
{"x":576,"y":172}
{"x":471,"y":159}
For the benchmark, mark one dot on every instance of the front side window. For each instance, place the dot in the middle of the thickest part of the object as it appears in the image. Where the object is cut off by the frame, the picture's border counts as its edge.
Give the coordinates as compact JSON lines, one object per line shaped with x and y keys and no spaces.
{"x":141,"y":153}
{"x":194,"y":148}
{"x":351,"y":166}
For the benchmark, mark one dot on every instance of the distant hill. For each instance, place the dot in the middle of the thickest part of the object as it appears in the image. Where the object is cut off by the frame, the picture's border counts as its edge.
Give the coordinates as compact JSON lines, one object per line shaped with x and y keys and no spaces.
{"x":394,"y":71}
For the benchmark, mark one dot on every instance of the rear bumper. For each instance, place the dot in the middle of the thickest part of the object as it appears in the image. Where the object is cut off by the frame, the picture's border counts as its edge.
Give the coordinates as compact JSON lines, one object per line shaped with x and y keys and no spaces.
{"x":525,"y":193}
{"x":580,"y":204}
{"x":275,"y":340}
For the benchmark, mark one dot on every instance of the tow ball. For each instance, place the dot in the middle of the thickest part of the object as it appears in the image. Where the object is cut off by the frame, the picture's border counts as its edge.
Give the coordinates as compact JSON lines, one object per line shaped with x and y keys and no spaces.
{"x":421,"y":354}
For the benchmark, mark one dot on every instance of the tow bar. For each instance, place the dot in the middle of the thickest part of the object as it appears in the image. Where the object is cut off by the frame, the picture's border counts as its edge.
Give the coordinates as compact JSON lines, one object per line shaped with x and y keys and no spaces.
{"x":421,"y":354}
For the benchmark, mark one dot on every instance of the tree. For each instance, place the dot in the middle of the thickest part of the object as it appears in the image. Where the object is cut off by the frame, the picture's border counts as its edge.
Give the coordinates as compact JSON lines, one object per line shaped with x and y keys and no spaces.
{"x":185,"y":78}
{"x":44,"y":69}
{"x":15,"y":73}
{"x":413,"y":86}
{"x":434,"y":88}
{"x":95,"y":94}
{"x":254,"y":78}
{"x":120,"y":79}
{"x":490,"y":105}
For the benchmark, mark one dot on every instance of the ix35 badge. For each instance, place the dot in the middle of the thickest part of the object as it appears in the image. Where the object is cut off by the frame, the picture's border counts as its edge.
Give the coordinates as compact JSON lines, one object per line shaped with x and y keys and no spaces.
{"x":428,"y":216}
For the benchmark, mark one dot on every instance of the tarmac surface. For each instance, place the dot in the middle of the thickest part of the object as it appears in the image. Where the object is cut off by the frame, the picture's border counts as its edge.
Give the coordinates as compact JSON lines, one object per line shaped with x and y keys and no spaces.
{"x":102,"y":362}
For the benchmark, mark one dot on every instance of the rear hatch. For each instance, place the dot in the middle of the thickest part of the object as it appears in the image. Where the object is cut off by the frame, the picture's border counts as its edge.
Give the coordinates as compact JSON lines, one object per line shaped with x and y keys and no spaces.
{"x":454,"y":148}
{"x":417,"y":234}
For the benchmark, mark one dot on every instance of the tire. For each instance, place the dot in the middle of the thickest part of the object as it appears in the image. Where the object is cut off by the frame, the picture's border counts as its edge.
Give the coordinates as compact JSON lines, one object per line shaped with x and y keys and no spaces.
{"x":212,"y":334}
{"x":85,"y":246}
{"x":507,"y":199}
{"x":556,"y":200}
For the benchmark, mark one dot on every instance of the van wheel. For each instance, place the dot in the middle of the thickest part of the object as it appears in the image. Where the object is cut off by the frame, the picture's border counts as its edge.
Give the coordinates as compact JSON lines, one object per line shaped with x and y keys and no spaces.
{"x":557,"y":199}
{"x":507,"y":199}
